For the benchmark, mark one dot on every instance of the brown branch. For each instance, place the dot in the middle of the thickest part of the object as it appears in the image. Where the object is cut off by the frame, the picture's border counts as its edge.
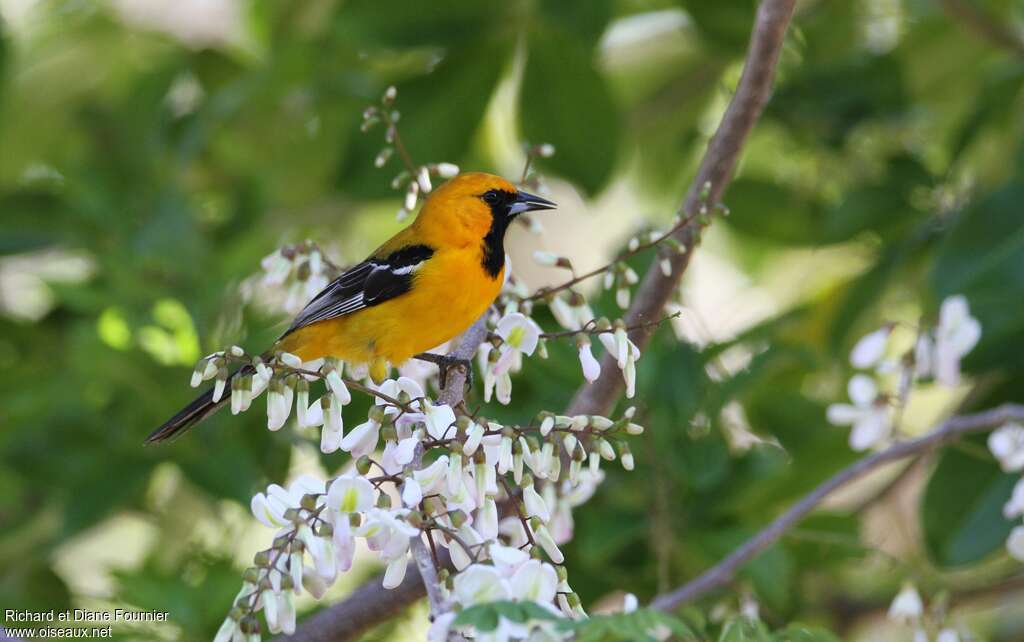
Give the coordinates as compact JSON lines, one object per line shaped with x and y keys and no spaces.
{"x":371,"y":603}
{"x":723,"y":573}
{"x":708,"y":185}
{"x":988,"y":28}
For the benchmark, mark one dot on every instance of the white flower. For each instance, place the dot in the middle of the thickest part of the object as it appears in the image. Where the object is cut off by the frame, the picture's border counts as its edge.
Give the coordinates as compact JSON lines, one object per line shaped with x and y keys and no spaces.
{"x":564,"y":314}
{"x":474,"y":435}
{"x":350,"y":494}
{"x":227,"y":631}
{"x":279,"y":406}
{"x":1007,"y":444}
{"x":412,"y":494}
{"x":534,"y":581}
{"x":338,"y":387}
{"x":543,"y":537}
{"x":1015,"y":507}
{"x":630,"y":603}
{"x":362,"y":440}
{"x":923,"y":356}
{"x":398,"y":454}
{"x":868,"y":416}
{"x":438,"y":419}
{"x":1015,"y":543}
{"x":947,"y":635}
{"x":957,"y":333}
{"x":507,"y":559}
{"x":871,"y":348}
{"x":438,"y":631}
{"x":334,"y":428}
{"x":395,"y":387}
{"x":591,"y":367}
{"x":548,"y":259}
{"x":626,"y":354}
{"x":907,"y":605}
{"x":432,"y":478}
{"x":479,"y":583}
{"x":520,"y":335}
{"x":395,"y":572}
{"x":447,"y":170}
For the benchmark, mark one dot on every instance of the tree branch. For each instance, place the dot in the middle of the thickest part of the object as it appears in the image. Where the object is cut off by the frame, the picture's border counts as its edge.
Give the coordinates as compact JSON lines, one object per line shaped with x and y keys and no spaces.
{"x":723,"y":573}
{"x":715,"y":172}
{"x":371,"y":603}
{"x":975,"y":19}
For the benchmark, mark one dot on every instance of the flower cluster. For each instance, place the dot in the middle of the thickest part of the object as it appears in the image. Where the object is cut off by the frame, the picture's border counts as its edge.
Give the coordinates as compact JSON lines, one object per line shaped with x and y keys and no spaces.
{"x":292,"y":276}
{"x":414,"y":179}
{"x":496,"y":497}
{"x":1007,"y":444}
{"x":907,"y":608}
{"x":934,"y":354}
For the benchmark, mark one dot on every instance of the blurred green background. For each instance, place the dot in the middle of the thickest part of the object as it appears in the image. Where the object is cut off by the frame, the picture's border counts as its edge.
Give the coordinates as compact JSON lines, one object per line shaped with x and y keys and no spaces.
{"x":152,"y":151}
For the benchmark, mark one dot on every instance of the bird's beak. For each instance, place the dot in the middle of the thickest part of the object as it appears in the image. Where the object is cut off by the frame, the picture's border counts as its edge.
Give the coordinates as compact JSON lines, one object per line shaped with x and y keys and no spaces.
{"x":526,"y":202}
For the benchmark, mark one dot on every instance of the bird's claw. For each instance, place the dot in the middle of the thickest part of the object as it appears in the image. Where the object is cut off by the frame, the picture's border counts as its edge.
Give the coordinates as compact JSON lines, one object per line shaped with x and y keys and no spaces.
{"x":445,"y":362}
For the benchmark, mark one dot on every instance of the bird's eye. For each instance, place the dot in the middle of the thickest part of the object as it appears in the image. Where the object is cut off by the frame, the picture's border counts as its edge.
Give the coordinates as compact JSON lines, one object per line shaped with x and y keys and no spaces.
{"x":491,"y":197}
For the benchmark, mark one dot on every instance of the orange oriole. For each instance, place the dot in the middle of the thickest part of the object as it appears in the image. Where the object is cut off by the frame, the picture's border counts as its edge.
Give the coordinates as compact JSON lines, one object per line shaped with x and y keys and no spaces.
{"x":424,"y":286}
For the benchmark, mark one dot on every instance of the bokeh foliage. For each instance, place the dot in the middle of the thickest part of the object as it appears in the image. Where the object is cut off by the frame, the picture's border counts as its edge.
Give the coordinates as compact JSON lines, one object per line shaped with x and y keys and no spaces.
{"x":894,"y":134}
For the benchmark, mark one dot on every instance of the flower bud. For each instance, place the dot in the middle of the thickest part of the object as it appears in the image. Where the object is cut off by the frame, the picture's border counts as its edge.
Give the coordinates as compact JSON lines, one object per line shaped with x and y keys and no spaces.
{"x":363,"y":465}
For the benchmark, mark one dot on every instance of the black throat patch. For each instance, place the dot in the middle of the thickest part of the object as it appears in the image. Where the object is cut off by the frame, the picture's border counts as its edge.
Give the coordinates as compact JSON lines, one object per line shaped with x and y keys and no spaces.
{"x":494,"y":241}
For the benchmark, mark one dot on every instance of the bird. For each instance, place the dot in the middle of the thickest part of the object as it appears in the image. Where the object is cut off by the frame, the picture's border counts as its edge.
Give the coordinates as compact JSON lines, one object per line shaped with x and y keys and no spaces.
{"x":421,"y":288}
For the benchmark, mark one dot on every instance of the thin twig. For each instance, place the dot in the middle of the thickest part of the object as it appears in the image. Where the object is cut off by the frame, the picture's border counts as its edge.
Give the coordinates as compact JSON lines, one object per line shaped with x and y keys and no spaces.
{"x":984,"y":25}
{"x":723,"y":573}
{"x":708,"y":185}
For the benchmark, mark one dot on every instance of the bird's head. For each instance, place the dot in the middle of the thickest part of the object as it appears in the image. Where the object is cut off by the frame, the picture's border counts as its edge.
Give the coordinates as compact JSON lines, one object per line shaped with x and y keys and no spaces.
{"x":476,"y":207}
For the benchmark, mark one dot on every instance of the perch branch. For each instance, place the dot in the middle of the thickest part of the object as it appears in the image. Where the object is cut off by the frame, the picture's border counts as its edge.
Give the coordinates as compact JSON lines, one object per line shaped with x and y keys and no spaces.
{"x":708,"y":185}
{"x":723,"y":573}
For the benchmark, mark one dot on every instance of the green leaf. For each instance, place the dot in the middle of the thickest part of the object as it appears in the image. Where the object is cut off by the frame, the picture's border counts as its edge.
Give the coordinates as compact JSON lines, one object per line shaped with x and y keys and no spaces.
{"x":745,"y":629}
{"x":725,"y":25}
{"x":586,"y":18}
{"x":797,"y":632}
{"x":483,"y":617}
{"x":823,"y":104}
{"x":398,"y":23}
{"x":767,"y":210}
{"x":565,"y":101}
{"x":962,"y":509}
{"x":982,"y":258}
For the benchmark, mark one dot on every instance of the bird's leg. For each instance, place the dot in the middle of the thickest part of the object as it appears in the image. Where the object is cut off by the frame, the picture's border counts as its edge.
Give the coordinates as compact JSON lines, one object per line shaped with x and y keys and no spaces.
{"x":444,"y":362}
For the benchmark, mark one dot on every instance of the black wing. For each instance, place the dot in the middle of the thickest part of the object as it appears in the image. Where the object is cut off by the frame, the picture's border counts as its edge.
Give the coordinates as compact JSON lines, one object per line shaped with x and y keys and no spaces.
{"x":369,"y":283}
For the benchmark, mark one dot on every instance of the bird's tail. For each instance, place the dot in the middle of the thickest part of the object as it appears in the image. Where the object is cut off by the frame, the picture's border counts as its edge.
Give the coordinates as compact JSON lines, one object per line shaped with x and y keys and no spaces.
{"x":201,"y":407}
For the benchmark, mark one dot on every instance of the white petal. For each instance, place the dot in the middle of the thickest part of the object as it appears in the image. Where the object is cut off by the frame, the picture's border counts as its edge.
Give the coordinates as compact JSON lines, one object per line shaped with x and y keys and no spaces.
{"x":479,"y":583}
{"x":906,"y":605}
{"x":590,"y":365}
{"x":862,"y":390}
{"x":871,"y":430}
{"x":350,"y":494}
{"x":843,"y":414}
{"x":412,"y":493}
{"x":534,"y":581}
{"x":870,"y":349}
{"x":1015,"y":543}
{"x":395,"y":572}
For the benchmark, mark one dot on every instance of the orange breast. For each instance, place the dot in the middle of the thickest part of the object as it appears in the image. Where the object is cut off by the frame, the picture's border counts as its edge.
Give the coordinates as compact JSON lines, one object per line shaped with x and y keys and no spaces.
{"x":449,"y":293}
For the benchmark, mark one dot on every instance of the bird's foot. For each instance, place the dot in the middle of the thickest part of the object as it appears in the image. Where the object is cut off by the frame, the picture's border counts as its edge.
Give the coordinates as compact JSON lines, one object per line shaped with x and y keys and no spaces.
{"x":445,"y":362}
